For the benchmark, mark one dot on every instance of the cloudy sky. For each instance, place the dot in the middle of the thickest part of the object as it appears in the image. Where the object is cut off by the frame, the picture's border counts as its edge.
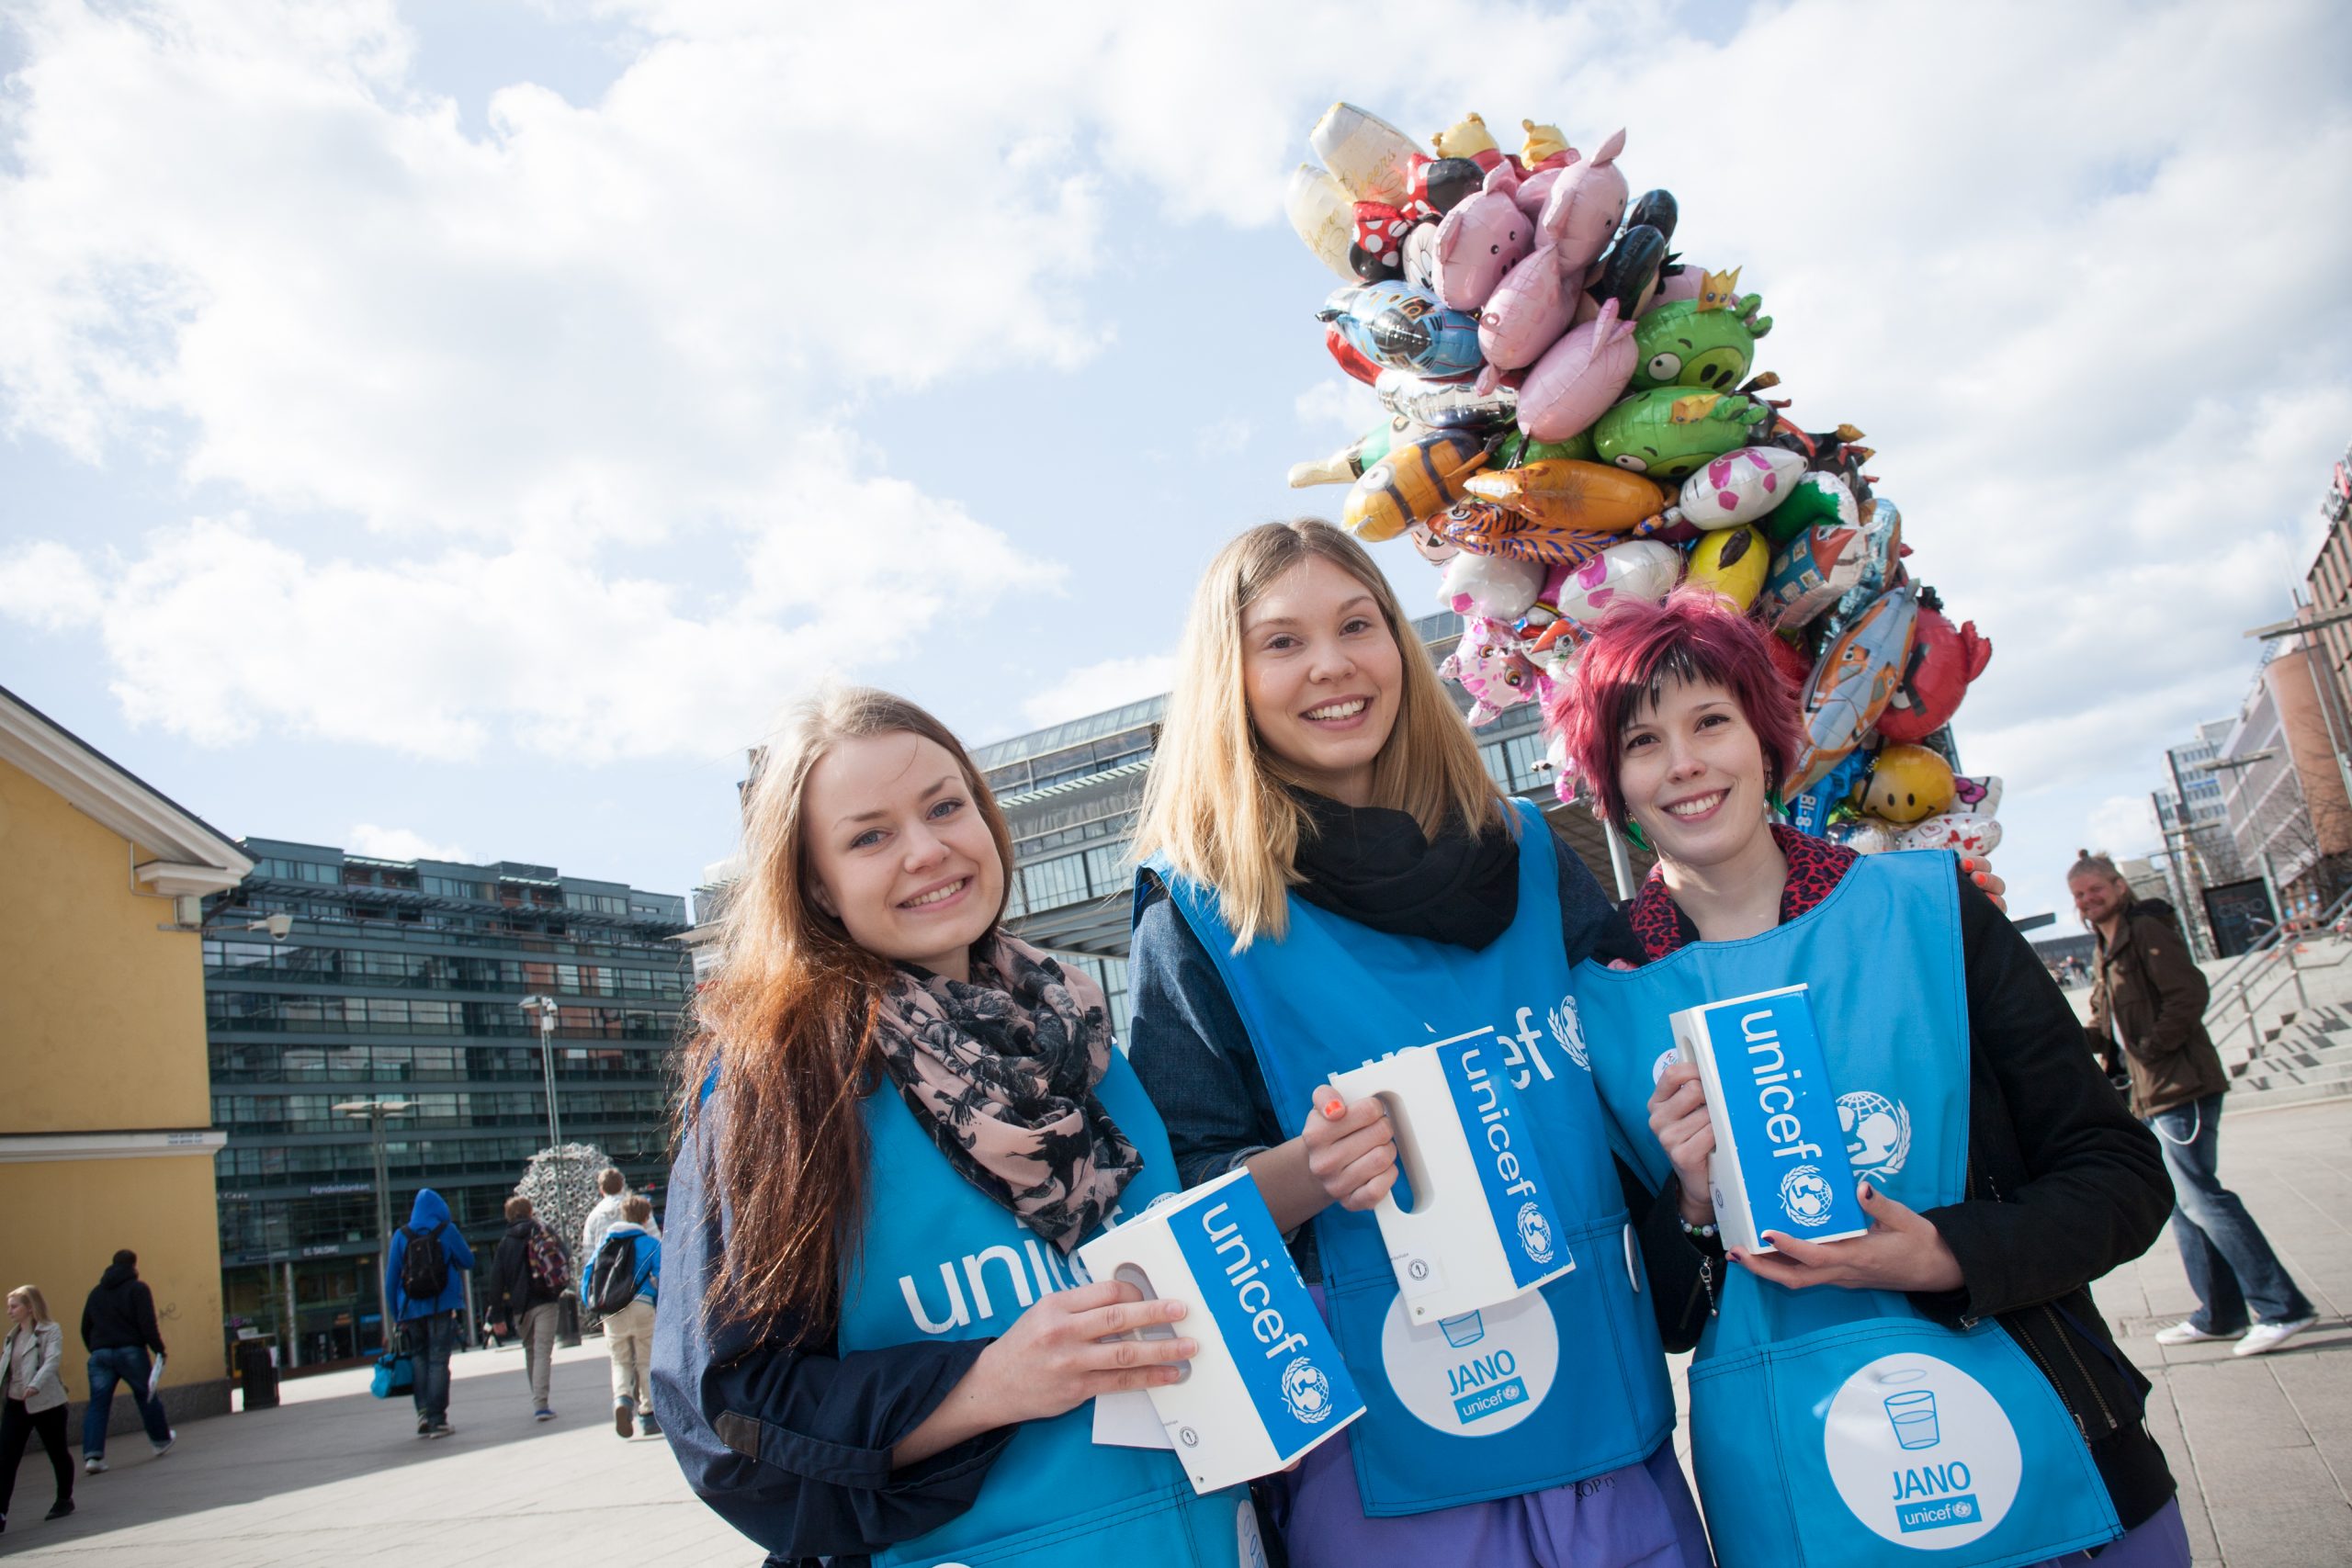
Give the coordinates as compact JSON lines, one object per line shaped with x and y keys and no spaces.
{"x":456,"y":427}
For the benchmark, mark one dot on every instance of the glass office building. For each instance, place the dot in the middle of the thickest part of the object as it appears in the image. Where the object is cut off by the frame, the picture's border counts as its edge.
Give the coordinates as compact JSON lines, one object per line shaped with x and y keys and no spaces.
{"x":400,"y":981}
{"x":1070,"y":793}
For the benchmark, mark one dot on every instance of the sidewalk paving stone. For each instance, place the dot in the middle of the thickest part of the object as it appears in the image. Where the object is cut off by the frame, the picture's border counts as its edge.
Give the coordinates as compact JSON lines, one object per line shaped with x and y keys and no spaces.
{"x":2262,"y":1446}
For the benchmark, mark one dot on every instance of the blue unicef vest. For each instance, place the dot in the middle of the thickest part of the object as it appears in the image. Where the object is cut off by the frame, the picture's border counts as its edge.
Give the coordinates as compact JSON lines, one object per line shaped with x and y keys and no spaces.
{"x":1552,"y":1387}
{"x":942,"y":1262}
{"x":1828,"y":1427}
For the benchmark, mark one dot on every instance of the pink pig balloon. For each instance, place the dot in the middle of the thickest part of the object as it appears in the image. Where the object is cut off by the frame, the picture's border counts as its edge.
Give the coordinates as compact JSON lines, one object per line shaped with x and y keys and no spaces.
{"x":1579,"y":376}
{"x":1537,"y":186}
{"x":1585,"y":207}
{"x":1481,"y":239}
{"x":1527,"y":312}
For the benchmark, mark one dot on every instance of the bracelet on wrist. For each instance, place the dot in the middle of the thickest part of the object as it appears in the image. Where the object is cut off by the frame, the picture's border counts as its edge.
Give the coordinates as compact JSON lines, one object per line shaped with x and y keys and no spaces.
{"x":1698,"y":1233}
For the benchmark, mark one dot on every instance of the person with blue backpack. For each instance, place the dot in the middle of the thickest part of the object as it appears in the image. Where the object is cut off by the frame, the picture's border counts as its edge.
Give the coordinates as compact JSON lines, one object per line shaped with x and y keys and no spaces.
{"x":1332,"y":876}
{"x":1933,"y":1385}
{"x":901,"y":1122}
{"x":424,"y":1287}
{"x":622,"y":1285}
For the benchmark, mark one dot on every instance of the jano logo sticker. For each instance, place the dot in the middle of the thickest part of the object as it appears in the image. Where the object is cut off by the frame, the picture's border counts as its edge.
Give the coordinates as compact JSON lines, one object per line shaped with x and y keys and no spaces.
{"x":1878,"y":1133}
{"x":1666,"y":1059}
{"x":1569,"y":1030}
{"x":1534,"y":1233}
{"x":1306,"y":1392}
{"x":1806,"y":1196}
{"x":1479,"y":1373}
{"x":1921,"y":1452}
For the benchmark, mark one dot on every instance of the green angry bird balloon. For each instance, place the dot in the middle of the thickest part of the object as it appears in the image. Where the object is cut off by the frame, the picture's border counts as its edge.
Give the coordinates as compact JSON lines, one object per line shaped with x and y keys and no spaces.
{"x":1687,"y":343}
{"x":1672,"y":431}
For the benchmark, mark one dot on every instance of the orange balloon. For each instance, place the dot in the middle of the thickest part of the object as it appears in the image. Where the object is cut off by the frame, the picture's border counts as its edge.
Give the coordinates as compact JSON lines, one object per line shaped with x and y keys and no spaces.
{"x":1567,"y":493}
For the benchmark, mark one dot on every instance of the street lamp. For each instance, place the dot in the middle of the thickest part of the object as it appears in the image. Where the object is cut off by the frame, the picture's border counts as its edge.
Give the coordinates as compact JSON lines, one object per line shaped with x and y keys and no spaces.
{"x":543,"y":1008}
{"x":2231,"y":766}
{"x":376,"y":1111}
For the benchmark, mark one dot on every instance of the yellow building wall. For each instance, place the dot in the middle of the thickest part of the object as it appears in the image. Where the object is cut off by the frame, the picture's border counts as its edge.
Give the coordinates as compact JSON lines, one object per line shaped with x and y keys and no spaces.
{"x":66,"y":1218}
{"x":102,"y":1031}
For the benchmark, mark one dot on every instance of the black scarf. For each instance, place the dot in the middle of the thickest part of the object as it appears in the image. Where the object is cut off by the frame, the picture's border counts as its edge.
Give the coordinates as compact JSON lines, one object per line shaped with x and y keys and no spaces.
{"x":1373,"y":866}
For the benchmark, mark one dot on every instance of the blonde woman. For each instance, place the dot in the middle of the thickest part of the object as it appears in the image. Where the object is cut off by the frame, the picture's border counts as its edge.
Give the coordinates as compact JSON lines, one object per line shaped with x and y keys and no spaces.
{"x":1332,"y":874}
{"x":901,"y":1122}
{"x":31,"y":1358}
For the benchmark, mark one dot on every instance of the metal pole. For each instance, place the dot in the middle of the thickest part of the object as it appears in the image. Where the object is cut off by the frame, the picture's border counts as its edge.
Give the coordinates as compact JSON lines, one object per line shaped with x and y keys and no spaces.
{"x":1620,"y":866}
{"x":547,"y":1061}
{"x":293,"y":1339}
{"x":2199,"y":935}
{"x":383,"y":1224}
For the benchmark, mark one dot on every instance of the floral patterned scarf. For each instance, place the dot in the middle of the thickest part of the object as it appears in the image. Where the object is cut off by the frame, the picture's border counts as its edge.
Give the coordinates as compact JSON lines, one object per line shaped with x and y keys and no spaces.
{"x":1001,"y":1073}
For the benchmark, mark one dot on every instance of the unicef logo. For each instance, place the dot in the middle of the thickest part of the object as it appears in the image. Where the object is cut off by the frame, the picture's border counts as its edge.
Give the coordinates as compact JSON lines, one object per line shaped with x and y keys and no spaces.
{"x":1806,"y":1197}
{"x":1535,"y":1233}
{"x":1306,"y":1392}
{"x":1569,"y":1030}
{"x":1878,"y":1133}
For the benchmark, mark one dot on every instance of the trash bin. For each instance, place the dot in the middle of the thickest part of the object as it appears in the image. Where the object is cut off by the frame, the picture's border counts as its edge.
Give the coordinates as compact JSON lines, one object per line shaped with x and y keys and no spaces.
{"x":567,"y":1319}
{"x":258,"y":1373}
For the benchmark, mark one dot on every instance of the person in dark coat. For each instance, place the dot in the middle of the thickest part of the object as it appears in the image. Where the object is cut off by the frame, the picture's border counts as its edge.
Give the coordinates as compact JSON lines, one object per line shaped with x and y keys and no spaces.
{"x":118,"y":1329}
{"x":525,"y":1299}
{"x":2148,"y":1019}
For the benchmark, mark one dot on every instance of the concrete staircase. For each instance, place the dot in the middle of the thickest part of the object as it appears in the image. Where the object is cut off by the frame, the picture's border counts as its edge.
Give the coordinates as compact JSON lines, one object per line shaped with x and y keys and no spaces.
{"x":2300,"y":1057}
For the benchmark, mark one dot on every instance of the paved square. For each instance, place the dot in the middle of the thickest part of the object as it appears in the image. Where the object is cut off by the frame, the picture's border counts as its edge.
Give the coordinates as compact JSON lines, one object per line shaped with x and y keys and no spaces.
{"x":2262,"y":1446}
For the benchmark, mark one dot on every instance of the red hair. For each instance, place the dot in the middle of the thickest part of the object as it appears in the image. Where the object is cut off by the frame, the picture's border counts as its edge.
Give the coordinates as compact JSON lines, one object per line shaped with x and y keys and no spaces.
{"x":1636,"y":650}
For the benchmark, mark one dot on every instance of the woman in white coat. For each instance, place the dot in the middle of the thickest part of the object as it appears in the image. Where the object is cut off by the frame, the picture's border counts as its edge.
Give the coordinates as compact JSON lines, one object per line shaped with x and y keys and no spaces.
{"x":30,"y":1358}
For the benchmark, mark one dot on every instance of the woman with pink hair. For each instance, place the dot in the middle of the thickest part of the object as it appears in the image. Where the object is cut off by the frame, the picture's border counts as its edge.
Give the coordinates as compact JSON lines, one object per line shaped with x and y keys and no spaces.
{"x":1960,"y":1353}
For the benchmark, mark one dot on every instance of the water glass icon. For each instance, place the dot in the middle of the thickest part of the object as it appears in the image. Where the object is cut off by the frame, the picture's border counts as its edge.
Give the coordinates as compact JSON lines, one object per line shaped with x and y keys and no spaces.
{"x":1465,"y":1331}
{"x":1913,"y":1414}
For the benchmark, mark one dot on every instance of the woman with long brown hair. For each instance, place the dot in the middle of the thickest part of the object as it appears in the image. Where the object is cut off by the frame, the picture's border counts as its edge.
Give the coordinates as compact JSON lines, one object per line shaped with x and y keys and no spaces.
{"x":898,"y":1122}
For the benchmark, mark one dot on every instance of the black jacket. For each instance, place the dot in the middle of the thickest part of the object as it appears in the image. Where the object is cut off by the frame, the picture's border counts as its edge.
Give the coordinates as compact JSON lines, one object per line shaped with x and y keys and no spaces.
{"x":514,"y":1288}
{"x":120,"y":1312}
{"x":2062,"y":1186}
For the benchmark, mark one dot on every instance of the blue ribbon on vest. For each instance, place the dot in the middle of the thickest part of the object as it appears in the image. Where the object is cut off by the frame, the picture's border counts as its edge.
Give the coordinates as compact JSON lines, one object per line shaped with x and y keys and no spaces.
{"x":1832,"y":1427}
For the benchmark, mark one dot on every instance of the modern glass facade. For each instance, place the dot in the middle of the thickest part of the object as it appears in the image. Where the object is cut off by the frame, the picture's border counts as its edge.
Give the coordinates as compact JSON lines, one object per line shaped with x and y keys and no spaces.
{"x":401,"y":980}
{"x":1070,"y":793}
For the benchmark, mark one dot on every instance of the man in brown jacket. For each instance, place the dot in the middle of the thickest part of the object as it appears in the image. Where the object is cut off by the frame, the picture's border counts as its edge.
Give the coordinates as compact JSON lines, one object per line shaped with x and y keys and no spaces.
{"x":2148,"y":1014}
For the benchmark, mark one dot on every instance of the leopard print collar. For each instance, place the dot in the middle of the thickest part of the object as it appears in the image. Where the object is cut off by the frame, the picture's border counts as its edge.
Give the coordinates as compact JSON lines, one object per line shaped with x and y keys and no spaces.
{"x":1815,"y":865}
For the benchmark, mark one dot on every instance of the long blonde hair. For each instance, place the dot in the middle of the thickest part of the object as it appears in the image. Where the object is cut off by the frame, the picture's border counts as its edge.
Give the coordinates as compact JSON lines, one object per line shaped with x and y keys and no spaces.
{"x":1216,"y":802}
{"x":31,"y":1295}
{"x":788,"y":1021}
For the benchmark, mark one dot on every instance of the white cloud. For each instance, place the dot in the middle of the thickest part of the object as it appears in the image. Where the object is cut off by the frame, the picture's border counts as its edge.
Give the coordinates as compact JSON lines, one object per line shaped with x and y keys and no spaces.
{"x":1093,"y":688}
{"x":1221,"y":438}
{"x":401,"y":843}
{"x":1338,"y":400}
{"x":2095,"y":338}
{"x":2123,"y":825}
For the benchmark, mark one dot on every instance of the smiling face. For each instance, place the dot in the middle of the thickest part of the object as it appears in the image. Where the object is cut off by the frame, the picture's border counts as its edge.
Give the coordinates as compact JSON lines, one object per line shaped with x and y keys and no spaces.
{"x":2097,"y":897}
{"x":1323,"y":677}
{"x":898,"y":851}
{"x":1691,"y":770}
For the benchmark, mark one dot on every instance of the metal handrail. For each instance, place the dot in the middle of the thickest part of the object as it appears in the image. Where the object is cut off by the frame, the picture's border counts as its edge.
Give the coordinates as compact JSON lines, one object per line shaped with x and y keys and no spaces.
{"x":2234,"y":989}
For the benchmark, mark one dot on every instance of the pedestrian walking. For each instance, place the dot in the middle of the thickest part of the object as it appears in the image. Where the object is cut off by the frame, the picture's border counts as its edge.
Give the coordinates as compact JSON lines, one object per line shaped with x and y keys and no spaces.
{"x":425,"y":1284}
{"x":1994,"y":1174}
{"x":612,"y":1188}
{"x":32,"y":1359}
{"x":2148,"y":1019}
{"x":623,"y":1282}
{"x":528,"y":1275}
{"x":118,"y":1329}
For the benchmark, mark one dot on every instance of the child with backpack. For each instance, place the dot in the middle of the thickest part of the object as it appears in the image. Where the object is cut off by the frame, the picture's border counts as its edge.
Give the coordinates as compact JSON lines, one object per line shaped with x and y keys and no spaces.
{"x":528,"y":1275}
{"x":425,"y":1286}
{"x":622,"y":1284}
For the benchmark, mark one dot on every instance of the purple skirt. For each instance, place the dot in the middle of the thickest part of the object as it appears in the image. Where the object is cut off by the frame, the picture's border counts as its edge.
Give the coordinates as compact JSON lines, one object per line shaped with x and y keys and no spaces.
{"x":2160,"y":1541}
{"x":1640,"y":1517}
